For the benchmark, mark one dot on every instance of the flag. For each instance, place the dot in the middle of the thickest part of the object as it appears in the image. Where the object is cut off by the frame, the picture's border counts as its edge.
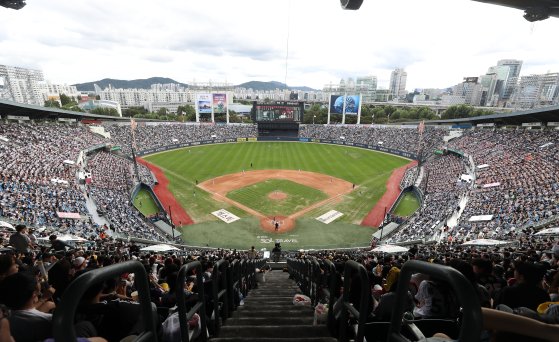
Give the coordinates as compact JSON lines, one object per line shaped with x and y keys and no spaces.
{"x":133,"y":124}
{"x":421,"y":127}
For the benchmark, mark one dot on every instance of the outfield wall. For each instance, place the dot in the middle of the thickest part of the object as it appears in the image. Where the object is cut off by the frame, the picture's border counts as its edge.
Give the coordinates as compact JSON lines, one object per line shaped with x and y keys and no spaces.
{"x":379,"y":148}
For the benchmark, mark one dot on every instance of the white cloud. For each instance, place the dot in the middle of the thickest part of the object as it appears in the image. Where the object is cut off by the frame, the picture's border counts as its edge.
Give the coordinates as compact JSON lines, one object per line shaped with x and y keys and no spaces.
{"x":438,"y":42}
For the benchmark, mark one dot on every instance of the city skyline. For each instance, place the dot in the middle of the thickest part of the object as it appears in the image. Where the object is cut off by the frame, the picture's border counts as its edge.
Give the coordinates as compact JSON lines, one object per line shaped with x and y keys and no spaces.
{"x":220,"y":41}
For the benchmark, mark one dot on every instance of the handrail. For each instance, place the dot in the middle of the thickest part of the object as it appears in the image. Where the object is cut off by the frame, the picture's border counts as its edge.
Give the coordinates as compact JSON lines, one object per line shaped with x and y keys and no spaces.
{"x":352,"y":267}
{"x":243,"y":280}
{"x":63,"y":318}
{"x":219,"y":291}
{"x":314,"y":286}
{"x":331,"y":291}
{"x":200,"y":305}
{"x":233,"y":276}
{"x":299,"y":269}
{"x":467,"y":296}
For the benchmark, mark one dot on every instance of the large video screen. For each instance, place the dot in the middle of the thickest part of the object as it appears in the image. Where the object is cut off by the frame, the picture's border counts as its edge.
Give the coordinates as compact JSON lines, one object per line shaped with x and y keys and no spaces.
{"x":286,"y":111}
{"x":352,"y":104}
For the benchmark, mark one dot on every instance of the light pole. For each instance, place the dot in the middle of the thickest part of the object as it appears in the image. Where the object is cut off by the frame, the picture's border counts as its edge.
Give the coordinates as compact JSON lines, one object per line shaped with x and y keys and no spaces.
{"x":314,"y":116}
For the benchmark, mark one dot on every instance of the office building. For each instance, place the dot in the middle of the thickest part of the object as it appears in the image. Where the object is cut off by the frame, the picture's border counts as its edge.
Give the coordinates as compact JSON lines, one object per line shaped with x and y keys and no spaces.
{"x":397,"y":86}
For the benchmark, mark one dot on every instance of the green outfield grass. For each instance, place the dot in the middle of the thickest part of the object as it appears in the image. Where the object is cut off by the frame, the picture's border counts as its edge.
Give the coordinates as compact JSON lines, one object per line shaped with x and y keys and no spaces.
{"x":256,"y":197}
{"x":367,"y":169}
{"x":408,"y":205}
{"x":145,"y":203}
{"x":309,"y":233}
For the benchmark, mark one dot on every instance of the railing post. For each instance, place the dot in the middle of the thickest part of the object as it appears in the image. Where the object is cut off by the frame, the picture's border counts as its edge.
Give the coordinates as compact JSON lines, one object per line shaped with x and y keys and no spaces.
{"x":63,"y":318}
{"x":200,"y":306}
{"x":352,"y":267}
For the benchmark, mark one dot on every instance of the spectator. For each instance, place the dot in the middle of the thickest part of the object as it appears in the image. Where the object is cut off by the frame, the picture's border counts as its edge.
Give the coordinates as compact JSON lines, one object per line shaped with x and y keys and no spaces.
{"x":20,"y":240}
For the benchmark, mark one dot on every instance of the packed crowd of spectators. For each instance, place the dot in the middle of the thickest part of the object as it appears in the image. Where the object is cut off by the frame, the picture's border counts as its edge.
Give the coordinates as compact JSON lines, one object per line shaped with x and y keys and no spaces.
{"x":409,"y":178}
{"x":442,"y":189}
{"x":34,"y":279}
{"x":403,"y":139}
{"x":112,"y":180}
{"x":164,"y":134}
{"x":519,"y":279}
{"x":519,"y":185}
{"x":35,"y":180}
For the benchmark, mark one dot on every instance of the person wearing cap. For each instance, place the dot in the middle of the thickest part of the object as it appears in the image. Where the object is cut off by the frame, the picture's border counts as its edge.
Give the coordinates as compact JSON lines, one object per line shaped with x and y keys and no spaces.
{"x":20,"y":240}
{"x":79,"y":263}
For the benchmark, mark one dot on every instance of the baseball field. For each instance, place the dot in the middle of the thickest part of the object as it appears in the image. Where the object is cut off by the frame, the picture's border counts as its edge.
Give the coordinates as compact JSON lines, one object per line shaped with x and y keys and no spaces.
{"x":273,"y":191}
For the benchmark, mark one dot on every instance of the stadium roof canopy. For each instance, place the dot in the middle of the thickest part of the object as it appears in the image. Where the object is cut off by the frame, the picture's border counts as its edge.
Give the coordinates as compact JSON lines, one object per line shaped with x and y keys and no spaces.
{"x":534,"y":10}
{"x":545,"y":114}
{"x":39,"y":112}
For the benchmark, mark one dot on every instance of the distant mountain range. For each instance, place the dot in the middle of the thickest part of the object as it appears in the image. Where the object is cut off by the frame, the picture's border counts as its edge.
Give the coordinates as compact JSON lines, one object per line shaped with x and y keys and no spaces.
{"x":147,"y":82}
{"x":126,"y":84}
{"x":257,"y":85}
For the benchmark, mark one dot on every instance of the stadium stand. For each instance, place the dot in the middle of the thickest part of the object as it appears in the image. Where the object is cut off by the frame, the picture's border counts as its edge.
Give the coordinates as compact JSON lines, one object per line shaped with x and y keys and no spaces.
{"x":511,"y":287}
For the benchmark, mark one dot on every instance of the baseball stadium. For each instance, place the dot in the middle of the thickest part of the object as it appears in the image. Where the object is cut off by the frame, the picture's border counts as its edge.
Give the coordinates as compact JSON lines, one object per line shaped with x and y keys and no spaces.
{"x":303,"y":218}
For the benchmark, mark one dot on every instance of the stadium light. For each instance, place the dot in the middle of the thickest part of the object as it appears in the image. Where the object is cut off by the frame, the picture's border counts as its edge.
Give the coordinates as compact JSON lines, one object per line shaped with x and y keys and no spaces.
{"x":13,"y":4}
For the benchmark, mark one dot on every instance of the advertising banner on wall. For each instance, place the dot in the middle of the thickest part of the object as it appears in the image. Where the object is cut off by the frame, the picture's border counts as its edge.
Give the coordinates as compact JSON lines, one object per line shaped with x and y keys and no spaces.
{"x":352,"y":104}
{"x":204,"y":103}
{"x":219,"y":102}
{"x":336,"y":104}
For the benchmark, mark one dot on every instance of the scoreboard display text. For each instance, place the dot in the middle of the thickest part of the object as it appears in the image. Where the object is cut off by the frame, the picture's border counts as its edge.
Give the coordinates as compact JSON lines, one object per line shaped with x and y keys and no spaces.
{"x":278,"y":111}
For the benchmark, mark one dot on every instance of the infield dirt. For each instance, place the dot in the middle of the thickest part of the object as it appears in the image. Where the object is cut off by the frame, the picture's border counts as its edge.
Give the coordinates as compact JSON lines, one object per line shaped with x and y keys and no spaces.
{"x":334,"y":187}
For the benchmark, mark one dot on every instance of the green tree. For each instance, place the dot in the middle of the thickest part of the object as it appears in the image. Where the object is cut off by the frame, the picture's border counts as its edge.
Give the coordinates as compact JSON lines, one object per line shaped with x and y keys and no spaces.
{"x":98,"y":97}
{"x":480,"y":112}
{"x":76,"y":109}
{"x":457,"y":112}
{"x":234,"y":117}
{"x":162,"y":111}
{"x":64,"y":99}
{"x":133,"y":111}
{"x":104,"y":111}
{"x":52,"y":103}
{"x":187,"y":111}
{"x":316,"y":112}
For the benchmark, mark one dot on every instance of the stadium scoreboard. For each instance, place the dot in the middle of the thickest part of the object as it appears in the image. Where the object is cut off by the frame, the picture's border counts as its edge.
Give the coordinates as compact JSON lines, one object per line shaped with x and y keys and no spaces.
{"x":278,"y":111}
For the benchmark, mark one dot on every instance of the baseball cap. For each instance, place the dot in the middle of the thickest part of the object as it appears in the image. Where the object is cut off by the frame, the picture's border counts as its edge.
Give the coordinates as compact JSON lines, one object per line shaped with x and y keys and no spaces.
{"x":78,"y":261}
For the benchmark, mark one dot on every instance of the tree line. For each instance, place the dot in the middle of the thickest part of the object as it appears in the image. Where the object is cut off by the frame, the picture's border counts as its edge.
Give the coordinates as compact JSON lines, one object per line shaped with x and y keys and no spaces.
{"x":317,"y":113}
{"x":384,"y":114}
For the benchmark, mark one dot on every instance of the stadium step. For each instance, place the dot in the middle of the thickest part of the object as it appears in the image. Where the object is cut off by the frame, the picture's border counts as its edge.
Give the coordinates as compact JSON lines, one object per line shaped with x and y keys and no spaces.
{"x":268,"y":315}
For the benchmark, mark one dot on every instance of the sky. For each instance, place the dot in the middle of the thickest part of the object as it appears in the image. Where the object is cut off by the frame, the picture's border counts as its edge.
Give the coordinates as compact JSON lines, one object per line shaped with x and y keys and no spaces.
{"x":302,"y":43}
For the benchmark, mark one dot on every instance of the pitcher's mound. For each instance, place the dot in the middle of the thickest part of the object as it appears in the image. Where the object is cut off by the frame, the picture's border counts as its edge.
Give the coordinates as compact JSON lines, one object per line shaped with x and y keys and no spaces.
{"x":277,"y":195}
{"x":285,"y":224}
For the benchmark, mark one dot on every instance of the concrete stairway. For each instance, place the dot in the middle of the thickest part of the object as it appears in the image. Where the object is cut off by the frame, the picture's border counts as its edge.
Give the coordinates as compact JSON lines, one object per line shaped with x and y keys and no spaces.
{"x":268,"y":315}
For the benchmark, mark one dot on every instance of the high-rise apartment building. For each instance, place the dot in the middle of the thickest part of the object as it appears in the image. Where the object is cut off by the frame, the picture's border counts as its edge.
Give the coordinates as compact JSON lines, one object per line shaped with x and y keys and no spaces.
{"x":21,"y":85}
{"x":514,"y":66}
{"x":397,"y":86}
{"x":537,"y":91}
{"x":367,"y":87}
{"x":470,"y":90}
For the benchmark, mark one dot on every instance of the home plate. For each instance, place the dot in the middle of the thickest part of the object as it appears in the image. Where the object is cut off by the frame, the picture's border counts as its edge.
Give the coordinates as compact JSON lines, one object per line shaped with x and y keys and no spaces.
{"x":329,"y":216}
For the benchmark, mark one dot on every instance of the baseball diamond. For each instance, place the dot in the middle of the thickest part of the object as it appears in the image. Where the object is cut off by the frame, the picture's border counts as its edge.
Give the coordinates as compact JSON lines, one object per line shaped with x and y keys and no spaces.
{"x":314,"y":178}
